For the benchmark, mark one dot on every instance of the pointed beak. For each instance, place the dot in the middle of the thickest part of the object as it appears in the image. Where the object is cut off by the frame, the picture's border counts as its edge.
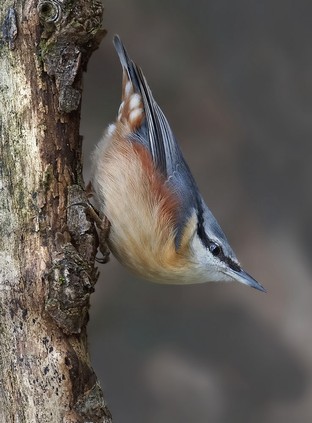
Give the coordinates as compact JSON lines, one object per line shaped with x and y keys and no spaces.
{"x":243,"y":277}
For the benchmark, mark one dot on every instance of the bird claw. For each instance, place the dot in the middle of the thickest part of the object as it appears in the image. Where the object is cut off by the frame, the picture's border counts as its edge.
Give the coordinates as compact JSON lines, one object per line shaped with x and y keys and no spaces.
{"x":102,"y":224}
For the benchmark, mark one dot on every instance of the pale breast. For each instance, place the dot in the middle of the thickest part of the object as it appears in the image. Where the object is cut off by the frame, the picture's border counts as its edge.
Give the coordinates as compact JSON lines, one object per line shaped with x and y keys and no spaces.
{"x":141,"y":210}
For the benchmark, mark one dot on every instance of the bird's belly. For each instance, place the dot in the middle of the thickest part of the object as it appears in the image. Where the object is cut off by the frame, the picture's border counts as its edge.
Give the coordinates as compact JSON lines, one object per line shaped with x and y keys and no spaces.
{"x":141,"y":212}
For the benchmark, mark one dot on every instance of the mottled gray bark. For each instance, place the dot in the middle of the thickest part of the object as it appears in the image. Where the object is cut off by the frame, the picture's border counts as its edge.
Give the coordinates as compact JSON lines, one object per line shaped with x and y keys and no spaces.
{"x":47,"y":249}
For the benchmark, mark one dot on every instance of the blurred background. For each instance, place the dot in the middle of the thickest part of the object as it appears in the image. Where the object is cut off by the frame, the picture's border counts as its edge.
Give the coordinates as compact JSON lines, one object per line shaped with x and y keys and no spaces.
{"x":235,"y":81}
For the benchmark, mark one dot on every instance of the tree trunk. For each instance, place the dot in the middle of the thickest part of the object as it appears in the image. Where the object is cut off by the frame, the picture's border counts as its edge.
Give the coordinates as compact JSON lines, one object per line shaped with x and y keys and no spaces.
{"x":47,"y":241}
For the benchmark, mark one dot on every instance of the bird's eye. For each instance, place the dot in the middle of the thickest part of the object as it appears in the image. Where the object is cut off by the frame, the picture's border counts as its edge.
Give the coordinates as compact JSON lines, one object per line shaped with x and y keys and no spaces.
{"x":215,"y":249}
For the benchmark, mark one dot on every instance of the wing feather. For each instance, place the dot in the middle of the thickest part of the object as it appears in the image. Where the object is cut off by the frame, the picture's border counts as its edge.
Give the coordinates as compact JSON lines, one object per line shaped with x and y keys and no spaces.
{"x":156,"y":135}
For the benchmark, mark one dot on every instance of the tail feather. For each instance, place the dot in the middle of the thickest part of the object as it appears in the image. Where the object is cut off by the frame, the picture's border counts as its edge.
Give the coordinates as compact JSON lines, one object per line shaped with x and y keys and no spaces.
{"x":127,"y":64}
{"x":121,"y":51}
{"x":155,"y":131}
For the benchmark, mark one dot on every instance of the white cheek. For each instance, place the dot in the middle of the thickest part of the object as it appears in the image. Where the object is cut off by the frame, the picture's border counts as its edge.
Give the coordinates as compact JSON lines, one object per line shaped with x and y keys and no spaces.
{"x":209,"y":267}
{"x":200,"y":254}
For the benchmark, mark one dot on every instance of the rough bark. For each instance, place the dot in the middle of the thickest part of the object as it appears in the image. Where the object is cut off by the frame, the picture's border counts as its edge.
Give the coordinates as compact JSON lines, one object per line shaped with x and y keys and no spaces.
{"x":47,"y":242}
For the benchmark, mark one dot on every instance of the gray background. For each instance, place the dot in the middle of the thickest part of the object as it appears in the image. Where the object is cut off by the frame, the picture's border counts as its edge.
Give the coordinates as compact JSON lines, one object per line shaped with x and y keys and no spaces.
{"x":235,"y":81}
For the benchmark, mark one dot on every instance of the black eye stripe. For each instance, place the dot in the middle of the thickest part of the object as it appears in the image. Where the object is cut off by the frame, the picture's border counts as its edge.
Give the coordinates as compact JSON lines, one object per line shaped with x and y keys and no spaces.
{"x":208,"y":243}
{"x":215,"y":249}
{"x":211,"y":245}
{"x":201,"y":231}
{"x":233,"y":265}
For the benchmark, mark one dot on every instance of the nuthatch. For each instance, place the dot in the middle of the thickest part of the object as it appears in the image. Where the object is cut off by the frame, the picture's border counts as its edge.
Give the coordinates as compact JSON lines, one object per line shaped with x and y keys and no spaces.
{"x":160,"y":226}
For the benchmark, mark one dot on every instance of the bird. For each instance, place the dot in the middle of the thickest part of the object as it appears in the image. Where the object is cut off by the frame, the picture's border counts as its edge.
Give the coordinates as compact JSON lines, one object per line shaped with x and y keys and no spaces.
{"x":159,"y":224}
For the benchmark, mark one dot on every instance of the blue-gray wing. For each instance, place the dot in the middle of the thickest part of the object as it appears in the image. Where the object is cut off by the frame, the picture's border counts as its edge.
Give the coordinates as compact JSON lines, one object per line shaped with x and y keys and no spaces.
{"x":156,"y":135}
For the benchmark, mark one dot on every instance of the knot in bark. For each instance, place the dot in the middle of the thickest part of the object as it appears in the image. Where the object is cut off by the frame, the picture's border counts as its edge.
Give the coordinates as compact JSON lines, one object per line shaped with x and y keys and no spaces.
{"x":49,"y":11}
